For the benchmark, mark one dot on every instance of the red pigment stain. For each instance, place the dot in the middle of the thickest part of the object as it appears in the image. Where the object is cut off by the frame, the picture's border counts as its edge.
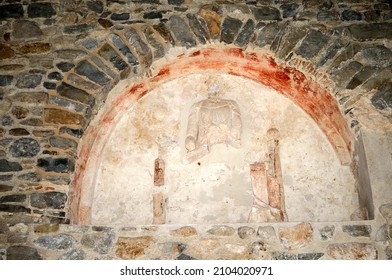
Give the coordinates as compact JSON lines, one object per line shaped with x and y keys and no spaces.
{"x":271,"y":62}
{"x":252,"y":57}
{"x":197,"y":53}
{"x":237,"y":52}
{"x":165,"y":71}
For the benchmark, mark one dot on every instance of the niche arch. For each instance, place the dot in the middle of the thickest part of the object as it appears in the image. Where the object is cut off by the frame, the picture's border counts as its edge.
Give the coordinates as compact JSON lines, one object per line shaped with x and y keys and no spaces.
{"x":306,"y":90}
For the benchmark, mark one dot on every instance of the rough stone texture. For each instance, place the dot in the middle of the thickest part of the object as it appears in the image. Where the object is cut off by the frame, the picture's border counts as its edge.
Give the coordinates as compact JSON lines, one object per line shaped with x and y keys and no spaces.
{"x":230,"y":28}
{"x":266,"y":13}
{"x":327,"y":232}
{"x":74,"y":254}
{"x":296,"y":237}
{"x":57,"y":116}
{"x":181,"y":32}
{"x":9,"y":166}
{"x":86,"y":69}
{"x":246,"y":232}
{"x":384,"y":233}
{"x":184,"y":231}
{"x":46,"y":228}
{"x":221,"y":231}
{"x":44,"y":10}
{"x":129,"y":248}
{"x":352,"y":251}
{"x":55,"y":242}
{"x":26,"y":30}
{"x":11,"y":11}
{"x":28,"y":80}
{"x":101,"y":242}
{"x":25,"y":147}
{"x":312,"y":44}
{"x":20,"y":252}
{"x":382,"y":99}
{"x":357,"y":230}
{"x":283,"y":256}
{"x":52,"y":200}
{"x":386,"y":212}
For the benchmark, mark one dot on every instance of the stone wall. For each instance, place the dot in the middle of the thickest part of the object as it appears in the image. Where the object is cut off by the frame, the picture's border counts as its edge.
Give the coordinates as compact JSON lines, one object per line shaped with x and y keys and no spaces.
{"x":60,"y":59}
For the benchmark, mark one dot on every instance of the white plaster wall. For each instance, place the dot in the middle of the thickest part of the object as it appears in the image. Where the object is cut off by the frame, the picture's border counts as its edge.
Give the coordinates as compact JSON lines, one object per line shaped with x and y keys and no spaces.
{"x":217,"y":188}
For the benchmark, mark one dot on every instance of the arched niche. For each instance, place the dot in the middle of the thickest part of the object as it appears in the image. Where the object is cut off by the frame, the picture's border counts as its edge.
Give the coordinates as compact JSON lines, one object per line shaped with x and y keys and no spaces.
{"x":303,"y":90}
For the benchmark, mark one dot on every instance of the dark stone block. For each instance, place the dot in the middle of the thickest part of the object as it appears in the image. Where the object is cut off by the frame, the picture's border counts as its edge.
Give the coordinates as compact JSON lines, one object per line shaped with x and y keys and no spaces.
{"x":55,"y":76}
{"x":44,"y":10}
{"x":327,"y":16}
{"x":95,"y":6}
{"x":105,"y":23}
{"x":26,"y":30}
{"x":14,"y":208}
{"x":359,"y":78}
{"x":230,"y":28}
{"x":123,"y":48}
{"x":18,"y":132}
{"x":5,"y":80}
{"x":65,"y":66}
{"x":289,"y":9}
{"x":377,"y":56}
{"x":358,"y":230}
{"x":382,"y":99}
{"x":312,"y":44}
{"x":55,"y":242}
{"x":99,"y":62}
{"x":388,"y":253}
{"x":331,"y":52}
{"x":25,"y":147}
{"x":76,"y":94}
{"x":20,"y":252}
{"x":245,"y":34}
{"x":31,"y":177}
{"x":86,"y":69}
{"x":8,"y":166}
{"x":13,"y":198}
{"x":11,"y":11}
{"x":139,"y":46}
{"x":164,"y":33}
{"x":348,"y":15}
{"x":198,"y":29}
{"x":62,"y":143}
{"x":388,"y":16}
{"x":122,"y":16}
{"x":176,"y":2}
{"x":108,"y":53}
{"x":74,"y":254}
{"x":19,"y":112}
{"x":49,"y":85}
{"x":73,"y":132}
{"x":32,"y":122}
{"x":342,"y":76}
{"x":185,"y":257}
{"x":283,"y":256}
{"x":327,"y":232}
{"x":266,"y":13}
{"x":66,"y":103}
{"x":152,"y":15}
{"x":310,"y":256}
{"x":6,"y":121}
{"x":72,"y":29}
{"x":159,"y":51}
{"x":6,"y":52}
{"x":100,"y":242}
{"x":268,"y":34}
{"x":371,"y":31}
{"x":60,"y":165}
{"x":27,"y":80}
{"x":373,"y":15}
{"x":5,"y":188}
{"x":181,"y":32}
{"x":51,"y":200}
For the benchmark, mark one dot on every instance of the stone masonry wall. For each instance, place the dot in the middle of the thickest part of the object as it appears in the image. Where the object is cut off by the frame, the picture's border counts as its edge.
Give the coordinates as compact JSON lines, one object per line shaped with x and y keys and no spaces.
{"x":60,"y":59}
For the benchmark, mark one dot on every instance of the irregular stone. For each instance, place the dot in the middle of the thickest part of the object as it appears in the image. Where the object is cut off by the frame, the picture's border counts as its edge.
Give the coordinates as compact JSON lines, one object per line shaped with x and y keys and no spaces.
{"x":283,"y":256}
{"x":371,"y":31}
{"x":297,"y":236}
{"x":105,"y":23}
{"x":6,"y":188}
{"x":222,"y":231}
{"x":129,"y":248}
{"x":290,"y":40}
{"x":153,"y":15}
{"x":382,"y":100}
{"x":5,"y":80}
{"x":327,"y":232}
{"x":13,"y":198}
{"x":44,"y":10}
{"x":60,"y":165}
{"x":74,"y":29}
{"x":6,"y":52}
{"x":32,"y":122}
{"x":386,"y":210}
{"x":377,"y":56}
{"x":57,"y":116}
{"x":139,"y":46}
{"x":352,"y":251}
{"x":80,"y":82}
{"x":73,"y":132}
{"x":181,"y":32}
{"x":8,"y":166}
{"x":63,"y":143}
{"x":289,"y":9}
{"x":121,"y":16}
{"x":65,"y":66}
{"x":266,"y":232}
{"x":74,"y":106}
{"x":11,"y":11}
{"x":331,"y":52}
{"x":342,"y":76}
{"x":259,"y":250}
{"x":246,"y":232}
{"x":310,"y":256}
{"x":164,"y":33}
{"x":230,"y":28}
{"x":17,"y":238}
{"x":213,"y":21}
{"x":25,"y":147}
{"x":198,"y":29}
{"x":51,"y":200}
{"x":312,"y":44}
{"x":184,"y":231}
{"x":97,"y":61}
{"x":95,"y":6}
{"x":388,"y":253}
{"x":35,"y":97}
{"x":266,"y":13}
{"x":35,"y":48}
{"x":348,"y":15}
{"x":49,"y":85}
{"x":159,"y":51}
{"x":108,"y":53}
{"x":55,"y":76}
{"x":20,"y":112}
{"x":55,"y":242}
{"x":76,"y":94}
{"x":48,"y":228}
{"x":327,"y":16}
{"x":372,"y":15}
{"x":69,"y":53}
{"x":74,"y":254}
{"x":123,"y":48}
{"x":384,"y":233}
{"x":100,"y":242}
{"x":26,"y":30}
{"x":27,"y":80}
{"x":185,"y":257}
{"x":268,"y":34}
{"x":18,"y":132}
{"x":6,"y":121}
{"x":361,"y":76}
{"x":172,"y":248}
{"x":14,"y":208}
{"x":86,"y":69}
{"x":20,"y":252}
{"x":245,"y":34}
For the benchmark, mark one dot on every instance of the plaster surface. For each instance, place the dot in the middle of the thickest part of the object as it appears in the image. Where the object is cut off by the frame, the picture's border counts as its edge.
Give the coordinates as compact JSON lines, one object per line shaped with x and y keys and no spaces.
{"x":217,"y":188}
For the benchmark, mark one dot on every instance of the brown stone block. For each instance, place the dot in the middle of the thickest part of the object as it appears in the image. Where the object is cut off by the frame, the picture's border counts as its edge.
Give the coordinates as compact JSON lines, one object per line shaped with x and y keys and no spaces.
{"x":352,"y":251}
{"x":159,"y":172}
{"x":296,"y":237}
{"x":6,"y":52}
{"x":46,"y":228}
{"x":31,"y":97}
{"x":129,"y":248}
{"x":57,"y":116}
{"x":184,"y":231}
{"x":35,"y":48}
{"x":213,"y":21}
